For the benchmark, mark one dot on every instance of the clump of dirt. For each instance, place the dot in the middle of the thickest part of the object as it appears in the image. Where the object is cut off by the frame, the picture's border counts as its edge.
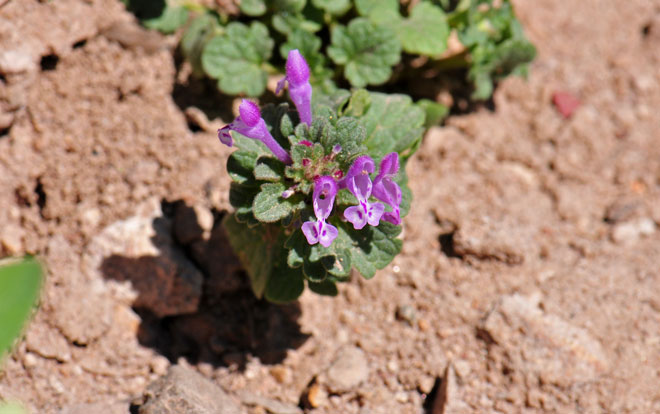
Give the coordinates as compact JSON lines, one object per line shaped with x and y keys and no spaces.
{"x":528,"y":280}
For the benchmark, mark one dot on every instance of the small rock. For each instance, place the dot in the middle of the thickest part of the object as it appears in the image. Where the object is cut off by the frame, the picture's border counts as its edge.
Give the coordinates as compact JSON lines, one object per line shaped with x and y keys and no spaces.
{"x":29,"y":360}
{"x":88,"y":317}
{"x":446,"y":400}
{"x":281,"y":374}
{"x":17,"y":61}
{"x":47,"y":342}
{"x":546,"y":346}
{"x":462,"y":368}
{"x":316,"y":396}
{"x":184,"y":391}
{"x":11,"y":238}
{"x":271,"y":405}
{"x":425,"y":383}
{"x":631,"y":231}
{"x":566,"y":103}
{"x":347,"y":371}
{"x":159,"y":365}
{"x":406,"y":313}
{"x":141,"y":250}
{"x":493,"y":239}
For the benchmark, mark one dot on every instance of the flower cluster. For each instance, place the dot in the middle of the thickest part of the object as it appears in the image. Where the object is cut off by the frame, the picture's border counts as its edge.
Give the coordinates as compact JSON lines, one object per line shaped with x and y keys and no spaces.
{"x":377,"y":199}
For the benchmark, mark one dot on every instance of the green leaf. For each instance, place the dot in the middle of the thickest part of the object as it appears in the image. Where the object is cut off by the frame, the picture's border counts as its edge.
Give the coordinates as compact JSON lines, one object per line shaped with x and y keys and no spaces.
{"x":334,"y":7}
{"x":325,"y":288}
{"x":269,"y":169}
{"x":373,"y":247}
{"x":358,"y":104}
{"x":269,"y":206}
{"x":253,"y":7}
{"x":197,"y":34}
{"x":366,"y":51}
{"x":425,"y":31}
{"x":236,"y":58}
{"x":285,"y":284}
{"x":287,"y":6}
{"x":380,"y":12}
{"x":171,"y":19}
{"x":435,"y":112}
{"x":393,"y":123}
{"x":286,"y":23}
{"x":11,"y":408}
{"x":241,"y":198}
{"x":258,"y":249}
{"x":20,"y":283}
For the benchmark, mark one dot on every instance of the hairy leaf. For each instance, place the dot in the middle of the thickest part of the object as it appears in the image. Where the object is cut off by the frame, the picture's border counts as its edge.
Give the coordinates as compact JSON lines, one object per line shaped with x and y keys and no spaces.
{"x":236,"y":58}
{"x":269,"y":206}
{"x":366,"y":51}
{"x":393,"y":123}
{"x":425,"y":31}
{"x":335,"y":7}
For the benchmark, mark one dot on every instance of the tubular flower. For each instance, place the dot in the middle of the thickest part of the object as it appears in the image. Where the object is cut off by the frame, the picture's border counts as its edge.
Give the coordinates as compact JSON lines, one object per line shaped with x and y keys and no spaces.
{"x":300,"y":90}
{"x":325,"y":190}
{"x":388,"y":191}
{"x":251,"y":124}
{"x":358,"y":182}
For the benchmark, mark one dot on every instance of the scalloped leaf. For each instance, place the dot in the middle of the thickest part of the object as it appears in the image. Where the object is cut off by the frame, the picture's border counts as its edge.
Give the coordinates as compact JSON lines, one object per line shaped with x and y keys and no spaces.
{"x":236,"y":58}
{"x":366,"y":51}
{"x":334,"y":7}
{"x":425,"y":31}
{"x":393,"y":123}
{"x":373,"y":247}
{"x":381,"y":12}
{"x":269,"y":206}
{"x":253,"y":7}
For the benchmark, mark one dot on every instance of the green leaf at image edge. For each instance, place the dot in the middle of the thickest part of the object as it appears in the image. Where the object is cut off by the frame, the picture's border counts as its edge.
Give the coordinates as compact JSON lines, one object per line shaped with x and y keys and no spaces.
{"x":20,"y":283}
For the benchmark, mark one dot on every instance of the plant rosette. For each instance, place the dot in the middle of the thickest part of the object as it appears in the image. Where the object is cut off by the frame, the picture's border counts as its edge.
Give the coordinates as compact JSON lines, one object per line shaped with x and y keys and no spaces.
{"x":320,"y":189}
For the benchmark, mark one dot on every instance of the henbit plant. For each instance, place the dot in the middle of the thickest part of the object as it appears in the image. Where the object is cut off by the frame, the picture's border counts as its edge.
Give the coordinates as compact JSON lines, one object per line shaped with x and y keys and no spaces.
{"x":321,"y":189}
{"x":362,"y":42}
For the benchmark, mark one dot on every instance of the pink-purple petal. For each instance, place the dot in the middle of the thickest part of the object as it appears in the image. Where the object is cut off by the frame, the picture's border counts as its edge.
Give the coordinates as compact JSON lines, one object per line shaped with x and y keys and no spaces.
{"x":250,"y":113}
{"x":311,"y":232}
{"x":356,"y":216}
{"x":328,"y":233}
{"x":374,"y":213}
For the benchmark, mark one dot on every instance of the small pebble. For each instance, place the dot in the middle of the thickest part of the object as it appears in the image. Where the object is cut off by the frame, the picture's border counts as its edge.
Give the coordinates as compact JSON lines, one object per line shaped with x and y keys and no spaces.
{"x":281,"y":374}
{"x":316,"y":396}
{"x":406,"y":313}
{"x":30,"y":360}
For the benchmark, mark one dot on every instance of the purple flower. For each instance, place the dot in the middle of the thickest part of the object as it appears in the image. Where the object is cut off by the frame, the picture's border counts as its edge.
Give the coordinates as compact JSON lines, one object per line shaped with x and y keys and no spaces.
{"x":358,"y":182}
{"x":250,"y":124}
{"x":325,"y":190}
{"x":386,"y":190}
{"x":300,"y":90}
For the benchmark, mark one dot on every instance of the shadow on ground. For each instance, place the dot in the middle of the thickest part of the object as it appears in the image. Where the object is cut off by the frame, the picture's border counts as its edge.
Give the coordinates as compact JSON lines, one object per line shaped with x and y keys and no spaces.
{"x":195,"y":300}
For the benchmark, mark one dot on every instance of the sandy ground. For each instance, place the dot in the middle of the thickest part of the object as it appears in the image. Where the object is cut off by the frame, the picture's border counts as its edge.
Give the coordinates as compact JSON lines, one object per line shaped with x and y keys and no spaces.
{"x":529,"y":280}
